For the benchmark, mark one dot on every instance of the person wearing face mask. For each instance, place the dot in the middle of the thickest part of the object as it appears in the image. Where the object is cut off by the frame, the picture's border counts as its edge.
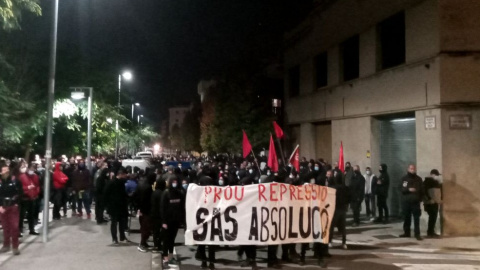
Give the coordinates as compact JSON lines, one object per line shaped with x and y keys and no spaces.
{"x":432,"y":200}
{"x":381,"y":191}
{"x":370,"y":180}
{"x":10,"y":194}
{"x":173,"y":212}
{"x":59,"y":182}
{"x":82,"y":185}
{"x":412,"y":190}
{"x":200,"y":254}
{"x":348,"y":174}
{"x":357,"y":193}
{"x":31,"y":189}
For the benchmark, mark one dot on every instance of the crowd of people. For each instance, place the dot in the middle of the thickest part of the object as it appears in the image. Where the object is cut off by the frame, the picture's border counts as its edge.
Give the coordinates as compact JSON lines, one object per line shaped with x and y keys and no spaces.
{"x":157,"y":196}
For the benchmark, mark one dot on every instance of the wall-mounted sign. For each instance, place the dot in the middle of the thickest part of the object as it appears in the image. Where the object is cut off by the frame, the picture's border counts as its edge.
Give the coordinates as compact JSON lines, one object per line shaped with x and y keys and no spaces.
{"x":461,"y":121}
{"x":430,"y":122}
{"x":368,"y":154}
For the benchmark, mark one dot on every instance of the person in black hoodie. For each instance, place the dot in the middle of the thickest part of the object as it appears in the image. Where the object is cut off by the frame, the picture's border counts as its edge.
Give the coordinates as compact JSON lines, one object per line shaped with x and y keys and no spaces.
{"x":200,"y":254}
{"x":342,"y":200}
{"x":381,"y":191}
{"x":101,"y":179}
{"x":357,"y":192}
{"x":155,"y":214}
{"x":412,"y":190}
{"x":172,"y":214}
{"x":142,"y":198}
{"x":117,"y":205}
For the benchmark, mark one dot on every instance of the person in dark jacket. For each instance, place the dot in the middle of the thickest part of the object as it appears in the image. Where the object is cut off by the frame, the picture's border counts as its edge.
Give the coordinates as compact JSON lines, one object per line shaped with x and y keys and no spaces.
{"x":412,"y":190}
{"x":100,"y":182}
{"x":143,"y":200}
{"x":10,"y":195}
{"x":82,"y":185}
{"x":117,"y":206}
{"x":156,"y":215}
{"x":381,"y":186}
{"x":432,"y":200}
{"x":172,"y":214}
{"x":200,"y":254}
{"x":357,"y":193}
{"x":342,"y":200}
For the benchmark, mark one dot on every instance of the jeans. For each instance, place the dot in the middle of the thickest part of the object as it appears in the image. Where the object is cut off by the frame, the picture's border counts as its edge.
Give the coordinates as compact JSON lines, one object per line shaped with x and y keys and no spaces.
{"x":28,"y":206}
{"x":370,"y":205}
{"x":83,"y":197}
{"x":9,"y":220}
{"x":411,"y":209}
{"x":432,"y":210}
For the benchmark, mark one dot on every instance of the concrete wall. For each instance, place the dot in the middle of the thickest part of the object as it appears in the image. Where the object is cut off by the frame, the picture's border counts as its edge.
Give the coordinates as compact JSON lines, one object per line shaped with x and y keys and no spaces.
{"x":323,"y":141}
{"x":461,"y":174}
{"x":460,"y":78}
{"x":355,"y":134}
{"x":404,"y":88}
{"x":307,"y":140}
{"x":459,"y":24}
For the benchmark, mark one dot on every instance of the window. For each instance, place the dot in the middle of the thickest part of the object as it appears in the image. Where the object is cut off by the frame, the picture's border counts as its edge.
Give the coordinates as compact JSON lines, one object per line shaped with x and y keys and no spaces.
{"x":350,"y":58}
{"x":294,"y":81}
{"x":391,"y":37}
{"x":321,"y":70}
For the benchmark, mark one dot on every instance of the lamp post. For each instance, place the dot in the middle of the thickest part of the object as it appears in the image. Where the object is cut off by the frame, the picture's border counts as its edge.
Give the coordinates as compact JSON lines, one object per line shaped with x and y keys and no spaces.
{"x":127,"y":76}
{"x":78,"y":93}
{"x":133,"y":107}
{"x":51,"y":97}
{"x":138,"y":118}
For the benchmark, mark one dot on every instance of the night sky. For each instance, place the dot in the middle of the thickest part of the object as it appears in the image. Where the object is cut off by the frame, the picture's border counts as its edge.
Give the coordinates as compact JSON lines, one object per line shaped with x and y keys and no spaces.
{"x":169,"y":45}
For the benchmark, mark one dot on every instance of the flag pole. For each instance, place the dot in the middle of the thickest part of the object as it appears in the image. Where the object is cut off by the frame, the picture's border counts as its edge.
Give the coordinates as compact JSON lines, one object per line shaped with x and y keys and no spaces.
{"x":281,"y":152}
{"x":293,"y":153}
{"x":255,"y":159}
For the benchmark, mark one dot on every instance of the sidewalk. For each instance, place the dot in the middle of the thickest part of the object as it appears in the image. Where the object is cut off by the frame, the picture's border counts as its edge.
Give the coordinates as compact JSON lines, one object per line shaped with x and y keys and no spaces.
{"x":77,"y":243}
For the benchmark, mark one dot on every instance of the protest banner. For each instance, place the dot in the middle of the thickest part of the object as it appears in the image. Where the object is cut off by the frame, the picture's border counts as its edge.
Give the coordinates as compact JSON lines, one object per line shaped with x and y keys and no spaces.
{"x":259,"y":214}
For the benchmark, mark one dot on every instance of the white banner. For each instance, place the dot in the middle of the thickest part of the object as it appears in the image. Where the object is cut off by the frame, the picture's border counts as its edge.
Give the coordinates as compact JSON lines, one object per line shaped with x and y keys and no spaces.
{"x":263,"y":214}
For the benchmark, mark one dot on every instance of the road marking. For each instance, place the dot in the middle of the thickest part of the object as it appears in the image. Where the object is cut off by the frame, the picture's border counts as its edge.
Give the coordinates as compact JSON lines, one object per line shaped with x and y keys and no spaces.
{"x":405,"y":266}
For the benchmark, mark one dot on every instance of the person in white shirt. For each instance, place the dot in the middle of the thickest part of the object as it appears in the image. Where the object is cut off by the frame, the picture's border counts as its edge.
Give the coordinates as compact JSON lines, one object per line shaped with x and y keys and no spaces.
{"x":370,"y":179}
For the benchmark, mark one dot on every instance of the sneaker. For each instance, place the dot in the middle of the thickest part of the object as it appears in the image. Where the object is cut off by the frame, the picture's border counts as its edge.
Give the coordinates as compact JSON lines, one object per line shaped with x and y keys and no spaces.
{"x":4,"y":249}
{"x":125,"y":241}
{"x":114,"y":243}
{"x":16,"y":251}
{"x":142,"y":248}
{"x":165,"y":265}
{"x":239,"y":258}
{"x":34,"y":233}
{"x":344,"y":246}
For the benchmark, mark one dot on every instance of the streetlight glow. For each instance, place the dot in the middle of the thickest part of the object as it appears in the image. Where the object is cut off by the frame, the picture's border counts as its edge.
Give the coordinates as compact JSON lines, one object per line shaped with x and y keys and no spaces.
{"x":127,"y":75}
{"x":77,"y":95}
{"x":137,"y":104}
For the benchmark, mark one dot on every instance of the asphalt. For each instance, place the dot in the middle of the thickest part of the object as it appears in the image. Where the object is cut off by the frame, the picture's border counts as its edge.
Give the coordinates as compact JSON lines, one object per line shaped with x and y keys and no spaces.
{"x":78,"y":243}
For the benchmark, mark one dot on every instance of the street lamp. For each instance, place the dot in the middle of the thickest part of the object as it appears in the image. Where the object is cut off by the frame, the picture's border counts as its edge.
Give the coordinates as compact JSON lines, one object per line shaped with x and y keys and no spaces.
{"x":138,"y":118}
{"x":133,"y":107}
{"x":127,"y":76}
{"x":77,"y":94}
{"x":51,"y":97}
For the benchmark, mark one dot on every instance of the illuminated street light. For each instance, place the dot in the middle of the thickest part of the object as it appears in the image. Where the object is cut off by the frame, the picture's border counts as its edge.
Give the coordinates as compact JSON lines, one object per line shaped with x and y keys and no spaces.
{"x":127,"y":75}
{"x":133,"y":108}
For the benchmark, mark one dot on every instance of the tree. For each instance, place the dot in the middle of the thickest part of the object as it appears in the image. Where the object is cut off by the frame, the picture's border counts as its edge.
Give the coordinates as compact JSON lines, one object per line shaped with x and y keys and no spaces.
{"x":235,"y":108}
{"x":11,"y":12}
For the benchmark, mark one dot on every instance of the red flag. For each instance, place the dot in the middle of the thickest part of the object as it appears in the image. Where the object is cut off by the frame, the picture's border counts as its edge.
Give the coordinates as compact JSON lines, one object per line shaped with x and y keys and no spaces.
{"x":272,"y":157}
{"x":247,"y":147}
{"x":278,"y":130}
{"x":341,"y":163}
{"x":295,"y":159}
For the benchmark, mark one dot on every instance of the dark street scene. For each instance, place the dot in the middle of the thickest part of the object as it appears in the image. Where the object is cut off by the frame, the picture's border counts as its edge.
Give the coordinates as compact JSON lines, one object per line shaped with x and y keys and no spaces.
{"x":240,"y":134}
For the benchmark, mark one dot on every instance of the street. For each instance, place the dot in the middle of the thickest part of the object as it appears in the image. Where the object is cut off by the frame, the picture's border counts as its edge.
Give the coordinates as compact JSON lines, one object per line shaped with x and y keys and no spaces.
{"x":77,"y":243}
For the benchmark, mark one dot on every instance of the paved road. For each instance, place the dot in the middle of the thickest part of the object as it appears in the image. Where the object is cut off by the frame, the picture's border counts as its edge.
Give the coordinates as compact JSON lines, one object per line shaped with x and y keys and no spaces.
{"x":77,"y":243}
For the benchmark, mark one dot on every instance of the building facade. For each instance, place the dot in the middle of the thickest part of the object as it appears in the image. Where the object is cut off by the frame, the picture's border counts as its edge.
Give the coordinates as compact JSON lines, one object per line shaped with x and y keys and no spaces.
{"x":396,"y":82}
{"x":176,"y":116}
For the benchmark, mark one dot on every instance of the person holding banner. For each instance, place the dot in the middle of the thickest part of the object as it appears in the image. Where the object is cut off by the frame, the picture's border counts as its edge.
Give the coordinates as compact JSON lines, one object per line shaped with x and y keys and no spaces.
{"x":172,"y":214}
{"x":200,"y":254}
{"x":342,"y":200}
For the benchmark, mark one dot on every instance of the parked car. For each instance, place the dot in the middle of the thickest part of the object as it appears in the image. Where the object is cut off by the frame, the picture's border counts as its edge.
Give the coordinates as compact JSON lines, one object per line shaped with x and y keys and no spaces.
{"x":139,"y":162}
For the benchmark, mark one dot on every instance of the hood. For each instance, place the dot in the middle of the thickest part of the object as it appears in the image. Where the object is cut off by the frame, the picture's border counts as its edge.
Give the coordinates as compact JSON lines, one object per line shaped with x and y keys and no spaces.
{"x":160,"y":184}
{"x":57,"y":166}
{"x":384,"y":167}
